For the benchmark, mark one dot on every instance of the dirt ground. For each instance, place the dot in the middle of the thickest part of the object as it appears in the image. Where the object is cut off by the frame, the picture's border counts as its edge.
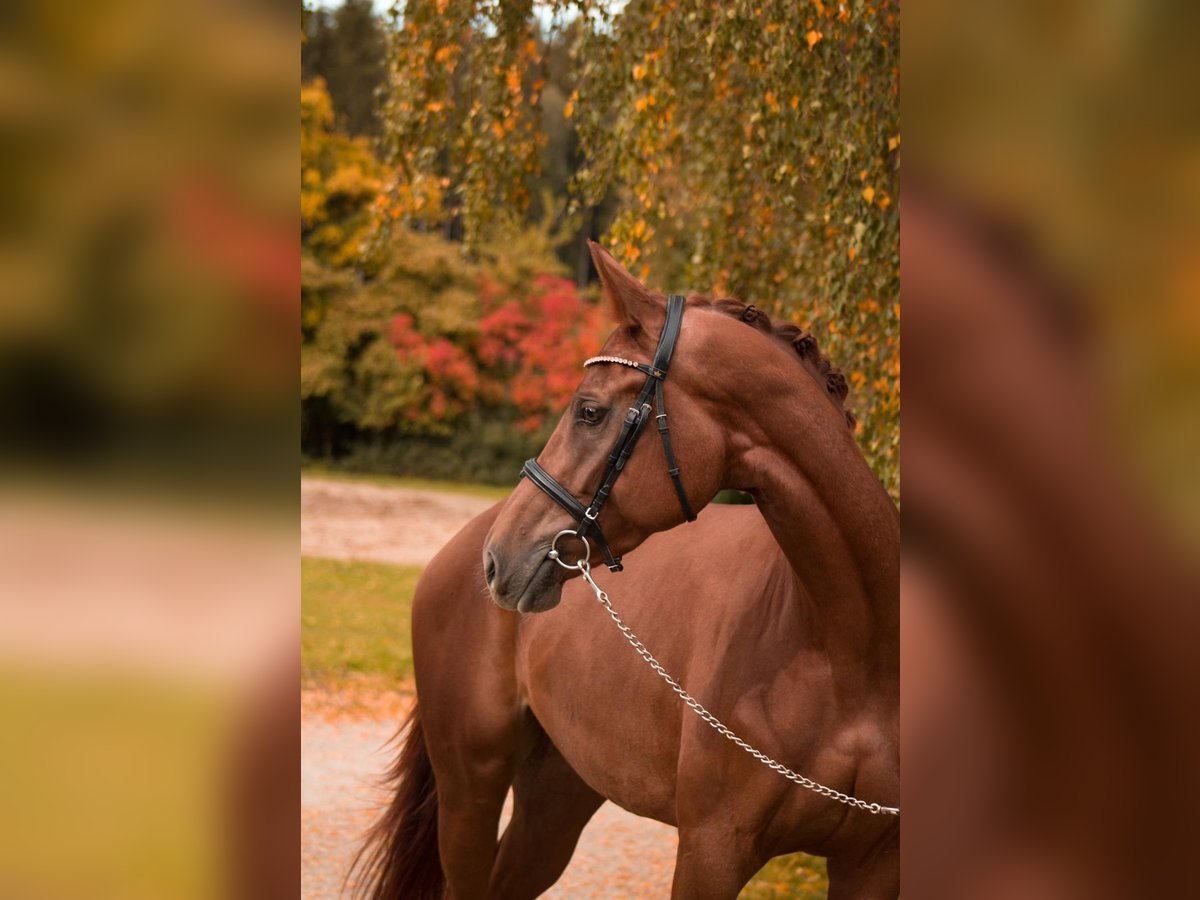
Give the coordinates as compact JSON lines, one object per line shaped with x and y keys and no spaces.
{"x":344,"y":753}
{"x":347,"y":520}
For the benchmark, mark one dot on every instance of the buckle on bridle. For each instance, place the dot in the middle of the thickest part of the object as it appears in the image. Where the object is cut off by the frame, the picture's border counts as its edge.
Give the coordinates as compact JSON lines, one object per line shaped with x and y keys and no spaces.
{"x":580,"y":563}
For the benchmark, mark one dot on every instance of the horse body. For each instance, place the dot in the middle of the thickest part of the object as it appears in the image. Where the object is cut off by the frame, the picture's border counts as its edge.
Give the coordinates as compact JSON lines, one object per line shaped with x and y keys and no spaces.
{"x":782,"y":619}
{"x":501,"y":693}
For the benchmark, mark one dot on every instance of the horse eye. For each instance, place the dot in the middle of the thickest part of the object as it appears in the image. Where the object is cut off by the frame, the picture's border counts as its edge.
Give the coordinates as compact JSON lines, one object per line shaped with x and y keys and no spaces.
{"x":590,"y":415}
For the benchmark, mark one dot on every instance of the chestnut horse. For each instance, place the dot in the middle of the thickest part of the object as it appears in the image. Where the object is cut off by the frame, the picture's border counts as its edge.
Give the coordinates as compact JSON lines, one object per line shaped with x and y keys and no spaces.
{"x":782,"y":619}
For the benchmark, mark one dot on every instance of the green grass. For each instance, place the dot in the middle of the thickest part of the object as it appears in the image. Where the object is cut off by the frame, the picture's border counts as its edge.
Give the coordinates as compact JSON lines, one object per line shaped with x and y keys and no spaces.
{"x":795,"y":875}
{"x":355,"y":622}
{"x":425,"y":484}
{"x":120,"y":774}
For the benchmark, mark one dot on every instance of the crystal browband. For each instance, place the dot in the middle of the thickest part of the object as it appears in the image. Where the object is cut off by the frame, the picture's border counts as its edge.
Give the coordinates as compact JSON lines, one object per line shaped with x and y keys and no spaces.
{"x":610,"y":359}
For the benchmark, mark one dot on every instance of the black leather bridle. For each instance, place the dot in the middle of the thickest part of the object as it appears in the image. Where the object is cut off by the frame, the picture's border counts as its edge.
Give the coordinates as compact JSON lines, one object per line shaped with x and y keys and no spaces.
{"x":631,"y":430}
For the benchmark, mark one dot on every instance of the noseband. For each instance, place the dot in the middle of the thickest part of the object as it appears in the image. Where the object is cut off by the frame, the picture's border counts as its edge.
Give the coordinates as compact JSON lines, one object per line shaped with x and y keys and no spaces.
{"x":631,"y":430}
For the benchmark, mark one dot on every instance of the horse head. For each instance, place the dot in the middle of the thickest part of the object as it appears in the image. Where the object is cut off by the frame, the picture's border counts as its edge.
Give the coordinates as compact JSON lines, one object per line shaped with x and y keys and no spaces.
{"x":603,"y":417}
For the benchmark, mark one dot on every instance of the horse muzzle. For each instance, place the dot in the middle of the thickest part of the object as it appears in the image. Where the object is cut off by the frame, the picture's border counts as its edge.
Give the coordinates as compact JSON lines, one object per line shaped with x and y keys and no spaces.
{"x":528,"y":583}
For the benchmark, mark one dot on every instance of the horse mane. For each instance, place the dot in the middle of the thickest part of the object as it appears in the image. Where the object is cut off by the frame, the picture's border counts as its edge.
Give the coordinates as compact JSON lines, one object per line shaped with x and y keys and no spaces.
{"x":817,"y":364}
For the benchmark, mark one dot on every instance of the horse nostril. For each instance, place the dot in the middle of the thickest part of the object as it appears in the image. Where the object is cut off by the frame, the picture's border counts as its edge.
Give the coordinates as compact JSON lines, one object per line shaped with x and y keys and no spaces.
{"x":489,"y":567}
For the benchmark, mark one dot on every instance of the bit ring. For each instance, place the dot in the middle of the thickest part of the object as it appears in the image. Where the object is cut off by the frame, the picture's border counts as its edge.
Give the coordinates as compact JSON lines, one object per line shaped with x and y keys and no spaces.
{"x":554,"y":554}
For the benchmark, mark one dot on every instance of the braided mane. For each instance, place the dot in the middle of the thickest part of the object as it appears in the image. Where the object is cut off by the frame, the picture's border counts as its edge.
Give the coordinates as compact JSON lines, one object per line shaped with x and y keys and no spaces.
{"x":802,"y":342}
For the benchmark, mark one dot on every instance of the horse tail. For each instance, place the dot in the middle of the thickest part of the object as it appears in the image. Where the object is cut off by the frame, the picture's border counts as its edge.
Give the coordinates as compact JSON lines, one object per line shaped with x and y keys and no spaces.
{"x":399,"y":858}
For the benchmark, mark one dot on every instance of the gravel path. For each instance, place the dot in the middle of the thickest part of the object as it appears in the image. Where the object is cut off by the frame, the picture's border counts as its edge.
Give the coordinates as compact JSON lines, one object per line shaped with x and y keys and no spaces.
{"x":348,"y":520}
{"x":619,"y":856}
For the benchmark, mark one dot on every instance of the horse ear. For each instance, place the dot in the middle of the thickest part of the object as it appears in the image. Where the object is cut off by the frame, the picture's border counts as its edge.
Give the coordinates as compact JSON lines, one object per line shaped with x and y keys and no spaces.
{"x":633,"y":304}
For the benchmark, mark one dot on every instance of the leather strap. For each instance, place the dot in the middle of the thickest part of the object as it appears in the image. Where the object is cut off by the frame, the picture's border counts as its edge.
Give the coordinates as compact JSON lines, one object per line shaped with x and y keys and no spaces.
{"x":549,"y":486}
{"x":564,"y":498}
{"x":672,"y":465}
{"x":631,"y":430}
{"x":670,"y":334}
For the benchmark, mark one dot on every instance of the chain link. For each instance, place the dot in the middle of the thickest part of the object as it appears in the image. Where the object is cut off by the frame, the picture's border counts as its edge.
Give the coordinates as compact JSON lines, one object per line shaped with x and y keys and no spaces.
{"x":698,"y":708}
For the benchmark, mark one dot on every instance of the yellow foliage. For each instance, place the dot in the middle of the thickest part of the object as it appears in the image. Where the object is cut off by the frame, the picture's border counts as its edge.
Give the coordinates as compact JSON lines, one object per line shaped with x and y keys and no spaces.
{"x":316,"y":108}
{"x":310,"y":206}
{"x":726,"y":187}
{"x":336,"y":173}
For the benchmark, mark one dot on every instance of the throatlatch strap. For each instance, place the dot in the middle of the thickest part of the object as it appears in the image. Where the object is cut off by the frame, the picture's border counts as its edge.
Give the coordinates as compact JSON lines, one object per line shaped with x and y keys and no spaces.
{"x":672,"y":465}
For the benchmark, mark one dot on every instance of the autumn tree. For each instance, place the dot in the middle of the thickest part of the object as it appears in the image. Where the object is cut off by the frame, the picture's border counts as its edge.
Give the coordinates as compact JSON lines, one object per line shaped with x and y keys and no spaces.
{"x":340,"y":179}
{"x":405,"y":342}
{"x":753,"y":148}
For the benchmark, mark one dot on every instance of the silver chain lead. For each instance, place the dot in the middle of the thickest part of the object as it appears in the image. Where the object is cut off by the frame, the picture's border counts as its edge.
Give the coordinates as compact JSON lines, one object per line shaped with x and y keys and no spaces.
{"x":698,"y":708}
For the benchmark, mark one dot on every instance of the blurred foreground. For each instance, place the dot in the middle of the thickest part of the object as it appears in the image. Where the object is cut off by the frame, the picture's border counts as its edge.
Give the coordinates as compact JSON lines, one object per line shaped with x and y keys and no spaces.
{"x":1050,"y":218}
{"x":148,"y":583}
{"x":148,"y":616}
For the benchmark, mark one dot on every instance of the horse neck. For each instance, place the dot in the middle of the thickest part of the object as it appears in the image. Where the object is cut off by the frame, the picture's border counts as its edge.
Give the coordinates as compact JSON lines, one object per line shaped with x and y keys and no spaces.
{"x":833,"y":520}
